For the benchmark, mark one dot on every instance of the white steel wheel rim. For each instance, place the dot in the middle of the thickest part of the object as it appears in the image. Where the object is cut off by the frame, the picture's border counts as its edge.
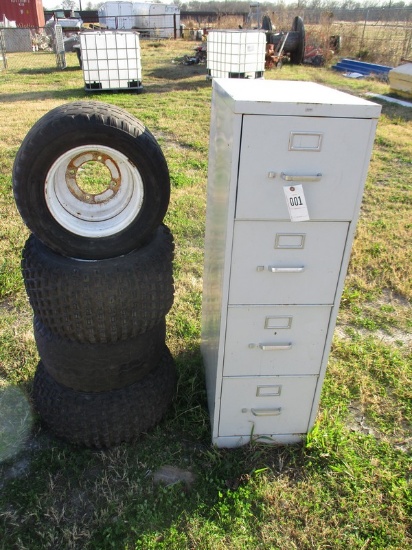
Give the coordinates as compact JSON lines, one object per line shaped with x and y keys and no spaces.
{"x":94,"y":215}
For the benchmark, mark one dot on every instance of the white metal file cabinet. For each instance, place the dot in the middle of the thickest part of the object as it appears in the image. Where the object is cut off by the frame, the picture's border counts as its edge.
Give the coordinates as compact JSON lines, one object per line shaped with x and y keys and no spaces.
{"x":272,"y":284}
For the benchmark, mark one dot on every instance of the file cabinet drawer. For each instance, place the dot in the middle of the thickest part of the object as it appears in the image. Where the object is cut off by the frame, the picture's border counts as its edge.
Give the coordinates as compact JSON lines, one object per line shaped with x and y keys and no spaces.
{"x":321,"y":154}
{"x":286,"y":263}
{"x":266,"y":405}
{"x":275,"y":340}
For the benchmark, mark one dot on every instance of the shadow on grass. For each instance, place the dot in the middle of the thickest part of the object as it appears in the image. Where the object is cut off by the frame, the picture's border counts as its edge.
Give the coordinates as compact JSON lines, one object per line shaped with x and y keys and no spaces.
{"x":82,"y":94}
{"x":77,"y":93}
{"x":161,"y":88}
{"x":178,"y":72}
{"x":394,"y":111}
{"x":76,"y":497}
{"x":42,"y":70}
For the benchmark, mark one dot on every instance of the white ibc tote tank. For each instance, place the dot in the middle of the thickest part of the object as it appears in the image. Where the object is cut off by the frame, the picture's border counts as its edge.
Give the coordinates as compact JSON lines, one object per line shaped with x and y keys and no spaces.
{"x":236,"y":54}
{"x":111,"y":60}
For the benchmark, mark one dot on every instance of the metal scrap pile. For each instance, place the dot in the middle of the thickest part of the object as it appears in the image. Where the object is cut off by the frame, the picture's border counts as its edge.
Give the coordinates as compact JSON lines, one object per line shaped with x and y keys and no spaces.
{"x":41,"y":42}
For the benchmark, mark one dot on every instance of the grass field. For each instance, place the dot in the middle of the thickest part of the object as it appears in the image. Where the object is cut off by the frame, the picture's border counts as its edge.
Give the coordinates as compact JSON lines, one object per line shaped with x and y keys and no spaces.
{"x":347,"y":486}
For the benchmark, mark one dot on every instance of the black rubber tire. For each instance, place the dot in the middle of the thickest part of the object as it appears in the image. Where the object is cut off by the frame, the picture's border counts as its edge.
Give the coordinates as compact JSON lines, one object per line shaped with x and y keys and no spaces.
{"x":266,"y":23}
{"x":298,"y":55}
{"x":82,"y":124}
{"x":102,"y":420}
{"x":99,"y":367}
{"x":100,"y":301}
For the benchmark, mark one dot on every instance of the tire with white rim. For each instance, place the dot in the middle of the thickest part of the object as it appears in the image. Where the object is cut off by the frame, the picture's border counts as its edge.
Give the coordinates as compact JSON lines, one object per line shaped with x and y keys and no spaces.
{"x":90,"y":181}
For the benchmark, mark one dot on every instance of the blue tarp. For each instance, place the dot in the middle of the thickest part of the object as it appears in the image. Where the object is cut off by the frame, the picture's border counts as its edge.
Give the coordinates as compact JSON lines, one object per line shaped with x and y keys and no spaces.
{"x":361,"y":67}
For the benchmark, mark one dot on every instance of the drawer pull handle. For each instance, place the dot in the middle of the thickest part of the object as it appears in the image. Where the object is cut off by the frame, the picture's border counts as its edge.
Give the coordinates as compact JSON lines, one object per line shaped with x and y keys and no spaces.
{"x":275,"y":347}
{"x":274,"y":269}
{"x":266,"y":412}
{"x":309,"y":177}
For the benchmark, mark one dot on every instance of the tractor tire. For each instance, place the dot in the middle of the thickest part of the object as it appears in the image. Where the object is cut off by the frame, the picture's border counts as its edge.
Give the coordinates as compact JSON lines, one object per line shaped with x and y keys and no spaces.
{"x":298,"y":54}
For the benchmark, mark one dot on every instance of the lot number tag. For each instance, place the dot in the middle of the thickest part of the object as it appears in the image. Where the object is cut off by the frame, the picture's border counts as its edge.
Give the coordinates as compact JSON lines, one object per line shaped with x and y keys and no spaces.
{"x":296,"y":203}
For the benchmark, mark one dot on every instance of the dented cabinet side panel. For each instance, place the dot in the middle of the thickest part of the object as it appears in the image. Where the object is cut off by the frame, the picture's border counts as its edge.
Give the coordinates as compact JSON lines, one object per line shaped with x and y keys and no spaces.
{"x":221,"y":196}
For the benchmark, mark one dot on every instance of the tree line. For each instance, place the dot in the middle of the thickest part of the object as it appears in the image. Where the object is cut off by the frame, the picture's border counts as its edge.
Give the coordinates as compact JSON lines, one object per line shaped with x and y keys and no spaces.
{"x":239,"y":6}
{"x":244,"y":6}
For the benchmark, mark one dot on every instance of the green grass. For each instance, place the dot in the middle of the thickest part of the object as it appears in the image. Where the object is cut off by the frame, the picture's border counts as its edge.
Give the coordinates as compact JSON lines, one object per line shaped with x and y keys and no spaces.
{"x":93,"y":177}
{"x":347,"y":486}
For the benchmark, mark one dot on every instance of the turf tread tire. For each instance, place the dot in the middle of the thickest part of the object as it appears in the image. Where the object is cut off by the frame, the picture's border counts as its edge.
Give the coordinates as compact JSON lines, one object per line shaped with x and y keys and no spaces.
{"x":103,"y":420}
{"x":99,"y":367}
{"x":100,"y":301}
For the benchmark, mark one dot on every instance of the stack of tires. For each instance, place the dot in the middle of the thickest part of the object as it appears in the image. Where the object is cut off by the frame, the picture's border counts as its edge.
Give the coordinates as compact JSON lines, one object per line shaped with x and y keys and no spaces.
{"x":92,"y":185}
